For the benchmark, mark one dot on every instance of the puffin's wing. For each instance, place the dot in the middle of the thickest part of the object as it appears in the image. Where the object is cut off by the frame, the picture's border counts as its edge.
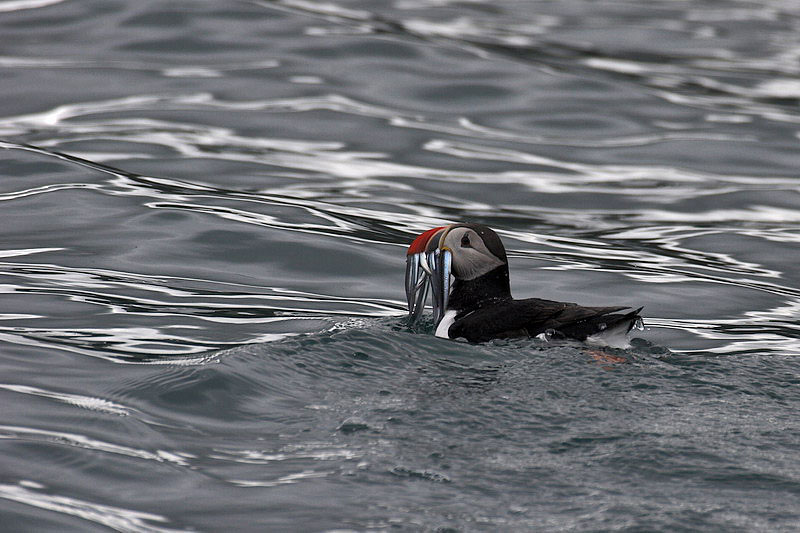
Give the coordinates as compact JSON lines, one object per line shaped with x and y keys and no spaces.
{"x":509,"y":318}
{"x":533,"y":316}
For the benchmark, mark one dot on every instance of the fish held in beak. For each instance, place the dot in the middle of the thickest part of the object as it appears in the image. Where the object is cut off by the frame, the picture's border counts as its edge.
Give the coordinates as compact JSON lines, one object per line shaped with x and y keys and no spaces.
{"x":440,"y":262}
{"x":425,"y":266}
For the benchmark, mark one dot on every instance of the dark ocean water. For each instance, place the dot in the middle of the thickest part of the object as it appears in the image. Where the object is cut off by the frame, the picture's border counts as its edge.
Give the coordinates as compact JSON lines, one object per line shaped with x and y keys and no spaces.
{"x":205,"y":209}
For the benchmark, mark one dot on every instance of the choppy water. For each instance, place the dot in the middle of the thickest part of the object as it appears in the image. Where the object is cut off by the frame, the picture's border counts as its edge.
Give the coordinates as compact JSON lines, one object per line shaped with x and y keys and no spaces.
{"x":204,"y":212}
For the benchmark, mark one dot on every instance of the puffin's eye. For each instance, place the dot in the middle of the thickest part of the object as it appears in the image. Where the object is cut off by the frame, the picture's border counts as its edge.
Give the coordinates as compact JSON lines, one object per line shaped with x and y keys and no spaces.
{"x":465,"y":241}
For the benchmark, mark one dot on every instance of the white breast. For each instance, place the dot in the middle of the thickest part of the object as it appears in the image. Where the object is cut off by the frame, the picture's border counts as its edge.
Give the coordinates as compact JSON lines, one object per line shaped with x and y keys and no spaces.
{"x":447,"y":321}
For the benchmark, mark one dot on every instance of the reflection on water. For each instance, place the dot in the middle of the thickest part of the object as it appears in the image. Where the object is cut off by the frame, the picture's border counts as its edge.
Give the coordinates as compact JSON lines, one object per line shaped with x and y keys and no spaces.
{"x":644,"y":252}
{"x":220,"y":198}
{"x":28,"y":492}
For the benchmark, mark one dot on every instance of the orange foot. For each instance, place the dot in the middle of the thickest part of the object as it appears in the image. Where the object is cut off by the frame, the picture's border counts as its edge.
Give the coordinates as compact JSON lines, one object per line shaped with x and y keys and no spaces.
{"x":602,"y":357}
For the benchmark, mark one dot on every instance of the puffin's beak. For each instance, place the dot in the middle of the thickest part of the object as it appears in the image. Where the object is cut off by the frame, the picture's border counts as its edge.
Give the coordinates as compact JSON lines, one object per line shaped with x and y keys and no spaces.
{"x":420,"y":266}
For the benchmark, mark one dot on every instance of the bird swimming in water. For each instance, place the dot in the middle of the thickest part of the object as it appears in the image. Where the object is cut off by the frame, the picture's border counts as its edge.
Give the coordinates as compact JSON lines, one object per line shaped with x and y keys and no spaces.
{"x":478,"y":306}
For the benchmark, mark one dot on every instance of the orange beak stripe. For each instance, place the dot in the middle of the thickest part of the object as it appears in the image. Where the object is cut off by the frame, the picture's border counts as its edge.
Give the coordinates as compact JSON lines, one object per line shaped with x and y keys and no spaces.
{"x":421,"y":242}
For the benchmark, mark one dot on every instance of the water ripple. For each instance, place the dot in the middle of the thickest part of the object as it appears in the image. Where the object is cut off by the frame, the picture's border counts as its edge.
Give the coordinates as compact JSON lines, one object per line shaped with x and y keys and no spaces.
{"x":82,"y":441}
{"x":78,"y":400}
{"x":17,"y":5}
{"x":117,"y":518}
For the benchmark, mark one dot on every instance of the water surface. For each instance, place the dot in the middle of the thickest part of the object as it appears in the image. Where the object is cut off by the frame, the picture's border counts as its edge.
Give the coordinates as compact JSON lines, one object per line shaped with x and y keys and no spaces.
{"x":205,"y":209}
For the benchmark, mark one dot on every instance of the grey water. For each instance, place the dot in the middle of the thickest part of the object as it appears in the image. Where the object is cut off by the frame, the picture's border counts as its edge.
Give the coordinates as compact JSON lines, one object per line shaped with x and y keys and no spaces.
{"x":204,"y":210}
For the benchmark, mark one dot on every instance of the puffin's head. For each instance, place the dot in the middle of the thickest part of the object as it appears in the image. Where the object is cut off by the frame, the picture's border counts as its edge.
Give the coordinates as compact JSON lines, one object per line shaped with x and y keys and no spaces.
{"x":476,"y":250}
{"x":466,"y":251}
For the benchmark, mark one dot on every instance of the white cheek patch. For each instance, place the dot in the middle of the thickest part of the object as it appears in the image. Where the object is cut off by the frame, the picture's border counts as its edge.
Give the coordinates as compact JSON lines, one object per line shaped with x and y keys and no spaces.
{"x":473,"y":261}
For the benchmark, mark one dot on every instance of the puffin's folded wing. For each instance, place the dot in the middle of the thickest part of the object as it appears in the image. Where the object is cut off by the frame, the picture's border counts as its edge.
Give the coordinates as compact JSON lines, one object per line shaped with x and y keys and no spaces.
{"x":530,"y":317}
{"x":507,"y":318}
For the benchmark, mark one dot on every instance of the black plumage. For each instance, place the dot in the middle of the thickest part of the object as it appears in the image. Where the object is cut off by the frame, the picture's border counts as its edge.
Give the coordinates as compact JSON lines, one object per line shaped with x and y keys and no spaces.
{"x":532,"y":316}
{"x":486,"y":310}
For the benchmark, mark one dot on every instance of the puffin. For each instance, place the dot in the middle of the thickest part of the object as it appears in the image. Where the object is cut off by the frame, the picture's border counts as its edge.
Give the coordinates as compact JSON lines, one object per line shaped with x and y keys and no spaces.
{"x":477,"y":304}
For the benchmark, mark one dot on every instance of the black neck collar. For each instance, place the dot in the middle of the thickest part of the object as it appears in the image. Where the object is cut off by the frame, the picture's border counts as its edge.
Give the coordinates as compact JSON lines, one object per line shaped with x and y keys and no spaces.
{"x":488,"y":288}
